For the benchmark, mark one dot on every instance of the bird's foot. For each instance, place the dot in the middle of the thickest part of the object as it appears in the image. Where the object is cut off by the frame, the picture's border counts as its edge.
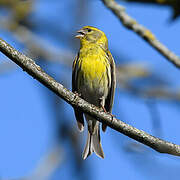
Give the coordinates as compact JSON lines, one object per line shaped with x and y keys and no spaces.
{"x":77,"y":94}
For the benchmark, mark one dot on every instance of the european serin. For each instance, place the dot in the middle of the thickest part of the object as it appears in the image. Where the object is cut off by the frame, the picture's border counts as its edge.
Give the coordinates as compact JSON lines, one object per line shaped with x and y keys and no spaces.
{"x":94,"y":79}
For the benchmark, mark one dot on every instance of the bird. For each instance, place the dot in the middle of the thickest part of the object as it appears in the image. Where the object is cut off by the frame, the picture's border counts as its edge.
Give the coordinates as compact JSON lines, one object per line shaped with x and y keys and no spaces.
{"x":94,"y":80}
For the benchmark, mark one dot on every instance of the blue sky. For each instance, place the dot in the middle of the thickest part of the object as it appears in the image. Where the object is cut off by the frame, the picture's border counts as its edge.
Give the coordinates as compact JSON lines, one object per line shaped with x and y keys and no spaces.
{"x":28,"y":127}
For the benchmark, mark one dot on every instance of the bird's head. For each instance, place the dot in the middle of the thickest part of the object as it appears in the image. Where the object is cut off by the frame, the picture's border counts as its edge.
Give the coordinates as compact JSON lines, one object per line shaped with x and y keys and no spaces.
{"x":89,"y":34}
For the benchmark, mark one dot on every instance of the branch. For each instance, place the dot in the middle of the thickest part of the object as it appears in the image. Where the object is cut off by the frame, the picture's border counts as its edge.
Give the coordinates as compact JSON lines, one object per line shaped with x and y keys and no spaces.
{"x":147,"y":35}
{"x":36,"y":72}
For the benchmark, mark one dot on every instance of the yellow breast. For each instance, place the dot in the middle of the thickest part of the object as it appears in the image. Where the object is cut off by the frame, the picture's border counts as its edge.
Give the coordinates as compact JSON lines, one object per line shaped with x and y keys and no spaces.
{"x":93,"y":68}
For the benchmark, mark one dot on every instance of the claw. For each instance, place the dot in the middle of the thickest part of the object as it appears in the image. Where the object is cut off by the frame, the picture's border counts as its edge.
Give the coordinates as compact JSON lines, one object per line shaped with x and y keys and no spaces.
{"x":77,"y":94}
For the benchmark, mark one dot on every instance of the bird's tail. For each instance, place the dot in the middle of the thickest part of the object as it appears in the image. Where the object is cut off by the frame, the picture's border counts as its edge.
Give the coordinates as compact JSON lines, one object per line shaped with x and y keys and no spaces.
{"x":93,"y":144}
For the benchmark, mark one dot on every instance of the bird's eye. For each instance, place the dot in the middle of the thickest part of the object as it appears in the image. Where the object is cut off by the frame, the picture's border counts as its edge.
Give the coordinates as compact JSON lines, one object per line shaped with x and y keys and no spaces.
{"x":89,"y":30}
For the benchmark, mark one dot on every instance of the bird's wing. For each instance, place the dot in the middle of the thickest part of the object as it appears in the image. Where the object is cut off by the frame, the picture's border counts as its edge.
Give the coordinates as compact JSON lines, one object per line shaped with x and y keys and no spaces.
{"x":78,"y":113}
{"x":110,"y":98}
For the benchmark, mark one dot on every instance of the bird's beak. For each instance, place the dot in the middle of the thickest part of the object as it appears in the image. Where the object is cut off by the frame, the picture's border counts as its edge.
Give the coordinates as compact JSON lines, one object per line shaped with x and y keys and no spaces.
{"x":81,"y":33}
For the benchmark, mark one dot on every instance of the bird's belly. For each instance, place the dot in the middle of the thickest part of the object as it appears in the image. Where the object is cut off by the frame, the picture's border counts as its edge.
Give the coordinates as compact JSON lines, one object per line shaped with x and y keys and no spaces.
{"x":93,"y":80}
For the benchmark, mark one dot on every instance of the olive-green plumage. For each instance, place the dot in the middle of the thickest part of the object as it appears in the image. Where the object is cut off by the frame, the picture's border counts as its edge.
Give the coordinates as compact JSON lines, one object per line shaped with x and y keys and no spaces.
{"x":94,"y":79}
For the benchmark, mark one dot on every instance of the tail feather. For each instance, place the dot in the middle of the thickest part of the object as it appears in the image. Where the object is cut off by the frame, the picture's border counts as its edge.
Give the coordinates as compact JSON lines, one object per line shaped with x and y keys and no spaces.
{"x":96,"y":144}
{"x":93,"y":144}
{"x":88,"y":149}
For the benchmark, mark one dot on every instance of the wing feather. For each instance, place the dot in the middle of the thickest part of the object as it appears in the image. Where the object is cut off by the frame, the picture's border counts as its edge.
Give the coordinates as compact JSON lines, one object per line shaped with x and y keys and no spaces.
{"x":78,"y":113}
{"x":110,"y":98}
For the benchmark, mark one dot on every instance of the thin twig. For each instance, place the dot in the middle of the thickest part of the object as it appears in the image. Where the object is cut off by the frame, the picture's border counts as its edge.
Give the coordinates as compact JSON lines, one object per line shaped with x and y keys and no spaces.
{"x":143,"y":32}
{"x":28,"y":65}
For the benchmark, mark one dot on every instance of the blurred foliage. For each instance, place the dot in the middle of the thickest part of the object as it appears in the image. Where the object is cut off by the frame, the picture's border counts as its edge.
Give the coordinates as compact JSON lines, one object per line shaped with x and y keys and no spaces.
{"x":174,"y":4}
{"x":18,"y":10}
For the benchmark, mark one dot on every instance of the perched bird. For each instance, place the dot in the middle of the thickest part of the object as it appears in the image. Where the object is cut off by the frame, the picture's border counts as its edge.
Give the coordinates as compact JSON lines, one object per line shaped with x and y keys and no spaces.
{"x":93,"y":78}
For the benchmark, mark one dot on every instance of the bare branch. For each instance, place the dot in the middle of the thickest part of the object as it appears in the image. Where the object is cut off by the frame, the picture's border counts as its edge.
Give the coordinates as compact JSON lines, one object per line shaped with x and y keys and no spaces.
{"x":146,"y":34}
{"x":36,"y":46}
{"x":36,"y":72}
